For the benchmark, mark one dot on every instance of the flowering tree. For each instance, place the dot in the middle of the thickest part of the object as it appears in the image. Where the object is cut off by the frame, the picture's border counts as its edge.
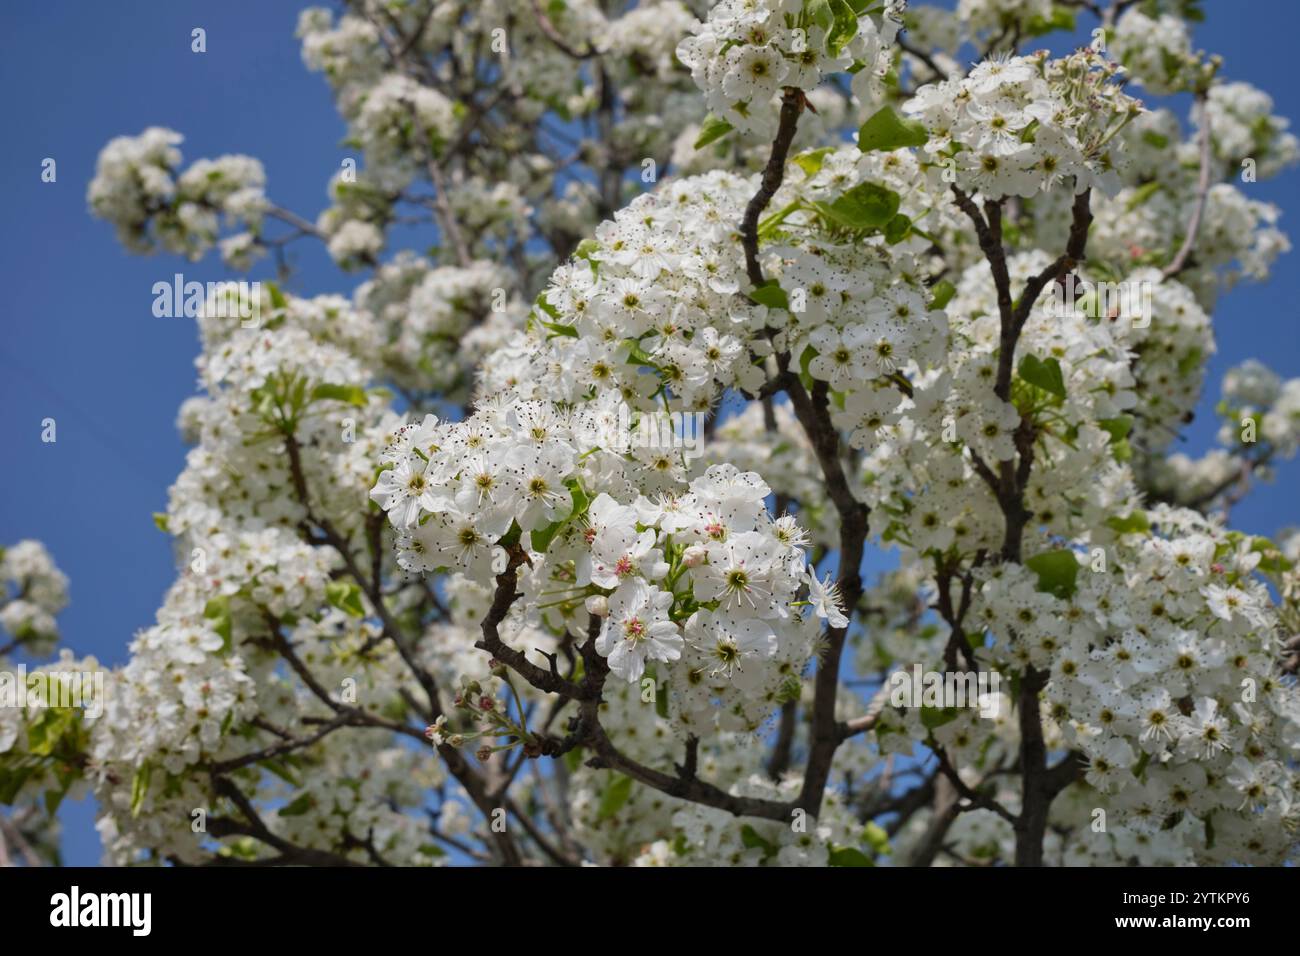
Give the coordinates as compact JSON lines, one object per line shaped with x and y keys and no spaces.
{"x":434,"y":605}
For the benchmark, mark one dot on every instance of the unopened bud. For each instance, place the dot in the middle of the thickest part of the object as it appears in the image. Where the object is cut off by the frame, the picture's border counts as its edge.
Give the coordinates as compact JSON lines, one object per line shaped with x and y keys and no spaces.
{"x":694,"y":556}
{"x":598,"y":605}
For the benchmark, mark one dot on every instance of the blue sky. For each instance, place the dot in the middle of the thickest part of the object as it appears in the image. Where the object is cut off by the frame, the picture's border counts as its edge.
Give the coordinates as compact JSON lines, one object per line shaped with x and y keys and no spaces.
{"x":81,"y":345}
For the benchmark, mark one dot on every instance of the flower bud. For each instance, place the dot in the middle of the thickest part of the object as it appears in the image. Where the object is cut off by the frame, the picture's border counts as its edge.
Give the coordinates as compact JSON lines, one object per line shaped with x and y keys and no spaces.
{"x":598,"y":605}
{"x":694,"y":556}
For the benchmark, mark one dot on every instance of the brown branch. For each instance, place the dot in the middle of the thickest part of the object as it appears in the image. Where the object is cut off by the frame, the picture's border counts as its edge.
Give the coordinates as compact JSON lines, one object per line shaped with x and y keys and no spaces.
{"x":1180,"y":260}
{"x":792,"y":103}
{"x":544,"y":679}
{"x":974,"y":798}
{"x":946,"y":811}
{"x":551,"y":33}
{"x":782,"y":749}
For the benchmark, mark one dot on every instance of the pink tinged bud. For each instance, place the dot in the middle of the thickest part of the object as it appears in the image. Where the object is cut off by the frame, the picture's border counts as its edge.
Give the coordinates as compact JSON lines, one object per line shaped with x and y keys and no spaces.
{"x":487,"y":703}
{"x":1216,"y":568}
{"x":694,"y":556}
{"x":598,"y":605}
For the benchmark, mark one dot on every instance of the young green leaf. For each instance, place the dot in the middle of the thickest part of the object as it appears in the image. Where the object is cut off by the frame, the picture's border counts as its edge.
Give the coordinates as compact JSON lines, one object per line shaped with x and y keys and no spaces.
{"x":887,"y":131}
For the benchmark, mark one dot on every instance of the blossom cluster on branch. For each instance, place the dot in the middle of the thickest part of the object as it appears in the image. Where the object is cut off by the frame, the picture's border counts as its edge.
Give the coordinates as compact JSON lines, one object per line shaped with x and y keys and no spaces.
{"x":432,"y":578}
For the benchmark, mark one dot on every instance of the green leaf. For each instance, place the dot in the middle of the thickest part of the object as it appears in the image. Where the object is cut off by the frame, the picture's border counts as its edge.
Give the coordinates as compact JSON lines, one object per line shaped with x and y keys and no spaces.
{"x":298,"y":807}
{"x":1188,"y":363}
{"x":821,"y":13}
{"x":159,"y":519}
{"x":46,"y":732}
{"x":753,"y":841}
{"x":713,"y":130}
{"x":346,"y":596}
{"x":887,"y":131}
{"x":52,"y":800}
{"x":278,"y":301}
{"x":1272,"y":560}
{"x":1136,"y":523}
{"x":771,"y":295}
{"x":638,"y":356}
{"x":932,"y":717}
{"x":844,"y":26}
{"x":1118,"y":428}
{"x":546,"y":306}
{"x":848,"y":856}
{"x":615,"y":795}
{"x":12,"y":780}
{"x":558,"y":328}
{"x":877,"y":837}
{"x":352,"y":394}
{"x":865,"y":206}
{"x":1142,"y":194}
{"x":217,"y":610}
{"x":1045,"y":375}
{"x":942,"y":292}
{"x":540,"y":538}
{"x":1140,"y":767}
{"x":1152,"y":138}
{"x":140,"y":787}
{"x":805,"y":359}
{"x":1061,"y":18}
{"x":898,"y":229}
{"x":1058,"y":572}
{"x":811,"y":161}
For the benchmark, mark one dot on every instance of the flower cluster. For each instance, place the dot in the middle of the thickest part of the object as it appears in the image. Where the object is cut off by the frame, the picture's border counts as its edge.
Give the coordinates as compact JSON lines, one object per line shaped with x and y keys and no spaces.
{"x":34,"y":591}
{"x":649,"y":317}
{"x":137,"y":189}
{"x":866,"y":363}
{"x":432,"y":324}
{"x":703,"y":580}
{"x":1156,"y":51}
{"x":746,"y":52}
{"x":1016,"y":126}
{"x":1244,"y":127}
{"x":1162,"y":675}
